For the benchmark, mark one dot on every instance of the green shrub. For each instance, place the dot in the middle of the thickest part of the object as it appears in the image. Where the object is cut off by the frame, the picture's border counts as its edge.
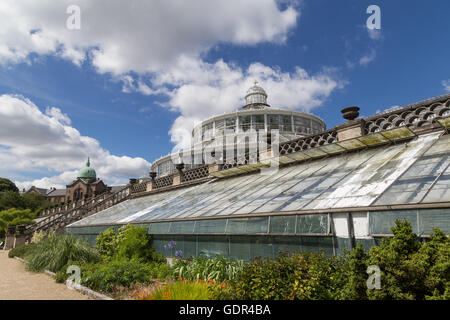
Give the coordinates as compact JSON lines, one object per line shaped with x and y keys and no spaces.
{"x":20,"y":251}
{"x":269,"y":279}
{"x":106,"y":276}
{"x":411,"y":270}
{"x":106,"y":243}
{"x":219,"y":268}
{"x":53,"y":252}
{"x":131,"y":242}
{"x":14,"y":217}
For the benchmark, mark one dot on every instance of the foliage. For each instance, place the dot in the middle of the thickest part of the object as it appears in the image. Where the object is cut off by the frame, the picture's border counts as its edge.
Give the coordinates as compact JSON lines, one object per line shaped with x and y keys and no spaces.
{"x":353,"y":275}
{"x":179,"y":290}
{"x":106,"y":276}
{"x":54,"y":252}
{"x":11,"y":199}
{"x":410,"y":269}
{"x":295,"y":276}
{"x":14,"y":217}
{"x":38,"y":236}
{"x":20,"y":251}
{"x":219,"y":268}
{"x":33,"y":201}
{"x":131,"y":242}
{"x":7,"y":185}
{"x":107,"y":243}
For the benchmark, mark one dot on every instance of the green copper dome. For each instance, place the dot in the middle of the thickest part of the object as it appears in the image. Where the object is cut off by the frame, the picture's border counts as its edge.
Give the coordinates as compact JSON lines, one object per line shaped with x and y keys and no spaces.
{"x":87,"y":172}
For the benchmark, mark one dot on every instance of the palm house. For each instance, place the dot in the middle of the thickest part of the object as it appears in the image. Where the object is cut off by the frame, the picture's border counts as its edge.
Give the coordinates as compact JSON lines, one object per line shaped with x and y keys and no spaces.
{"x":327,"y":189}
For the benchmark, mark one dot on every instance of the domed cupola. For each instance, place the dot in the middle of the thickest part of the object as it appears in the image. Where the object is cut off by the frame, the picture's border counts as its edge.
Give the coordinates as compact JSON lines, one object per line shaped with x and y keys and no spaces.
{"x":87,"y":172}
{"x":256,"y":98}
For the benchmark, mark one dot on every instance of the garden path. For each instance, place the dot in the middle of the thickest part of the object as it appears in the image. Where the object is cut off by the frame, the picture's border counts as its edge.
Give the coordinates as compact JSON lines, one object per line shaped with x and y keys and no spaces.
{"x":16,"y":283}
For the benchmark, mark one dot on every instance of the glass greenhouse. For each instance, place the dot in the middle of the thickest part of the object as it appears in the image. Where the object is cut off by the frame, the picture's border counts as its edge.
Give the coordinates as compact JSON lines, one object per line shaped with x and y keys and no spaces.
{"x":327,"y":203}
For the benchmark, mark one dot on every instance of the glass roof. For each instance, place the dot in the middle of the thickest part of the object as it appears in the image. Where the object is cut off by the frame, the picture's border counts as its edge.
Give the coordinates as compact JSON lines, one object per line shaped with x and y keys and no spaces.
{"x":414,"y":172}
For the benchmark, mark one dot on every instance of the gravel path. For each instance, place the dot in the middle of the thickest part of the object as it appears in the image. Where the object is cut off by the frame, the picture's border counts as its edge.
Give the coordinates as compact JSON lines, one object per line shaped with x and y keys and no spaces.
{"x":16,"y":283}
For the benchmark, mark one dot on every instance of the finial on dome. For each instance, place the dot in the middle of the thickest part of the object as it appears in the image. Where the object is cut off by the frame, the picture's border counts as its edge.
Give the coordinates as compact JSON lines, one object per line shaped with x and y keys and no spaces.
{"x":88,"y":163}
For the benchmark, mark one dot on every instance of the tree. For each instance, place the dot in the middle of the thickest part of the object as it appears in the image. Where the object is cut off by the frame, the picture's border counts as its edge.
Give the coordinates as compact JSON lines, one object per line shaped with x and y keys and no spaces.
{"x":7,"y":185}
{"x":34,"y":201}
{"x":411,"y":269}
{"x":11,"y":199}
{"x":15,"y":217}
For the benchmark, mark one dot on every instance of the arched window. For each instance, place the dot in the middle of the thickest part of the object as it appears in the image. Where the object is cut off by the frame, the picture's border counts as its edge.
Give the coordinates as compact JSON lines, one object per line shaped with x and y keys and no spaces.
{"x":78,"y":194}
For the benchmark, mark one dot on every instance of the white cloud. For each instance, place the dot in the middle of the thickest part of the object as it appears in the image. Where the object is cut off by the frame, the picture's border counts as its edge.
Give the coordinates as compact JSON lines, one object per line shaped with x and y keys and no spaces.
{"x":155,"y":48}
{"x":446,"y":84}
{"x":207,"y":89}
{"x":33,"y":141}
{"x":366,"y":59}
{"x":375,"y":34}
{"x":142,"y":36}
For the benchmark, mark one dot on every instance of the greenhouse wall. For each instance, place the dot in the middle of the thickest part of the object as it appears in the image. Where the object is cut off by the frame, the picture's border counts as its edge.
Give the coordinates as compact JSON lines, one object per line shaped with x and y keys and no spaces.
{"x":266,"y":236}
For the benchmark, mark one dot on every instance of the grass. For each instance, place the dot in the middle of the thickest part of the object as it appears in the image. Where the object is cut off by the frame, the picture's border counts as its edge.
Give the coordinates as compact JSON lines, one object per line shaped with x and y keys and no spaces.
{"x":177,"y":290}
{"x":219,"y":268}
{"x":54,"y":252}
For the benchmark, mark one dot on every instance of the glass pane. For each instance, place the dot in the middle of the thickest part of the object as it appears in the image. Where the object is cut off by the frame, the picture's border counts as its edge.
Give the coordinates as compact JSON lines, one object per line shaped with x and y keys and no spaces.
{"x":236,"y":225}
{"x":261,"y":247}
{"x":248,"y":225}
{"x":211,"y":246}
{"x":434,"y":218}
{"x":317,"y":244}
{"x":257,"y":225}
{"x":282,"y":224}
{"x":210,"y":226}
{"x":381,"y":222}
{"x":312,"y":224}
{"x":285,"y":244}
{"x":273,"y":121}
{"x":240,"y":248}
{"x":182,"y":227}
{"x":161,"y":227}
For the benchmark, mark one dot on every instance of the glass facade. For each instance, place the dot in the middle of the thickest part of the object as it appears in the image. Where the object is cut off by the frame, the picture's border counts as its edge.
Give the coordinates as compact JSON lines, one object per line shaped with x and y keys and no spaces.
{"x":296,"y":207}
{"x":289,"y":126}
{"x":246,"y":238}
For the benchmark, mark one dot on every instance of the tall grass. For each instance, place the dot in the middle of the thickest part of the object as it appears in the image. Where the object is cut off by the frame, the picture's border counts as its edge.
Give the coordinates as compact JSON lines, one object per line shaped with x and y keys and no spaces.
{"x":54,"y":252}
{"x":179,"y":290}
{"x":218,"y":269}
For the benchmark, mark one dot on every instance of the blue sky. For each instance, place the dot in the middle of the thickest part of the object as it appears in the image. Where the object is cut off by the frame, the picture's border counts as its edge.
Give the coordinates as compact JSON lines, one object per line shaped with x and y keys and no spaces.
{"x":131,"y":125}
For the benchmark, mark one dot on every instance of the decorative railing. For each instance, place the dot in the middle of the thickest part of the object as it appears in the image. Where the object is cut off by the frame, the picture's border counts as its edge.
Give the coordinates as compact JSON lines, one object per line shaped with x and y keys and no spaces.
{"x":309,"y":142}
{"x":117,"y":196}
{"x":76,"y":211}
{"x":412,"y":116}
{"x":242,"y":159}
{"x":139,"y":187}
{"x":163,"y":181}
{"x":195,"y":173}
